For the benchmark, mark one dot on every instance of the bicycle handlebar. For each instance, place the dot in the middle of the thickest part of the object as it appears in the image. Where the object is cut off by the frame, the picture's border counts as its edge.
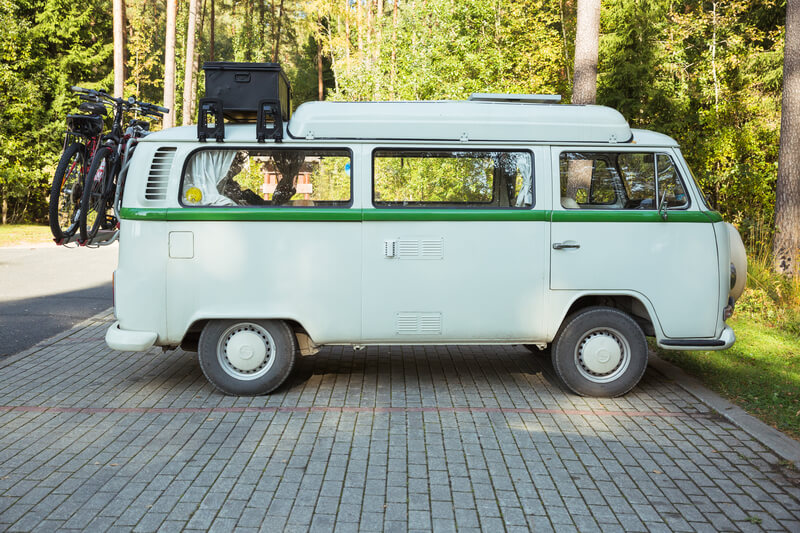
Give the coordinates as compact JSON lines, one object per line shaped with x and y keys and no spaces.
{"x":152,"y":110}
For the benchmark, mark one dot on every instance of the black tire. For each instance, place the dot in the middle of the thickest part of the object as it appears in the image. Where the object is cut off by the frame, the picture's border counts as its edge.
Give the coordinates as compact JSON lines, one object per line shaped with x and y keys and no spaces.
{"x":600,"y":351}
{"x":242,"y":377}
{"x":66,"y":192}
{"x":94,"y":203}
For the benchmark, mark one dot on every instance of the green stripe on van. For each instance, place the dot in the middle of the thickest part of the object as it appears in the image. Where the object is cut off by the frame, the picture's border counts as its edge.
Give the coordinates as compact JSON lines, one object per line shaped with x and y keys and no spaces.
{"x":266,"y":214}
{"x":243,"y":214}
{"x":629,"y":216}
{"x":454,"y":214}
{"x":142,"y":213}
{"x":422,"y":215}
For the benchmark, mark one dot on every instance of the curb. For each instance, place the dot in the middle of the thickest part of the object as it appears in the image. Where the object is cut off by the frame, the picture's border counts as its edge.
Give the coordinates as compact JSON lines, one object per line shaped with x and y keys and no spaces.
{"x":11,"y":359}
{"x":784,"y":446}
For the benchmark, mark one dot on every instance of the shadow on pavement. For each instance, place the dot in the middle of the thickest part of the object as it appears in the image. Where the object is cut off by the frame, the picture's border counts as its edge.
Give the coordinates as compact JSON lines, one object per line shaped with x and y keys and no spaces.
{"x":27,"y":321}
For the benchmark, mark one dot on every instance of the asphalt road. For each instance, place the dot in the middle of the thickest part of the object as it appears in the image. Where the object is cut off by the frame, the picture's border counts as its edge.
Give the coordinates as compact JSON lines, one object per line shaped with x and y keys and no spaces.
{"x":46,"y":289}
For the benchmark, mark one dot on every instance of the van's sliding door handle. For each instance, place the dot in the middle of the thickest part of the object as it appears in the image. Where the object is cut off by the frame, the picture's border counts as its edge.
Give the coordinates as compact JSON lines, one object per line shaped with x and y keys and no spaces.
{"x":565,"y":245}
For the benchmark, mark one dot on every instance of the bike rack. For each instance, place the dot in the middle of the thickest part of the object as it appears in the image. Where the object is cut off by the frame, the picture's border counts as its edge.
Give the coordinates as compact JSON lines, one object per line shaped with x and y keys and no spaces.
{"x":269,"y":123}
{"x":210,"y":107}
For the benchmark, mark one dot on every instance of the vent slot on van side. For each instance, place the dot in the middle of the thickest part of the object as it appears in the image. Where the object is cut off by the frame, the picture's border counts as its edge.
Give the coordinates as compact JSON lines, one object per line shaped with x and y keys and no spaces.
{"x":158,"y":178}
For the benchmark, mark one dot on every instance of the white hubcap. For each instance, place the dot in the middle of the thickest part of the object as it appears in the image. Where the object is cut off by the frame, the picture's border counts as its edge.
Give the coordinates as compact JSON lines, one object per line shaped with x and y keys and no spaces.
{"x":246,"y":350}
{"x":601,"y":354}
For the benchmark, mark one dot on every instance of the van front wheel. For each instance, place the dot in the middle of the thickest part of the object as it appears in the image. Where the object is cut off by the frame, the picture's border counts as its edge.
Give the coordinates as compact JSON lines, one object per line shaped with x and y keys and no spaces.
{"x":600,"y":351}
{"x":247,"y":357}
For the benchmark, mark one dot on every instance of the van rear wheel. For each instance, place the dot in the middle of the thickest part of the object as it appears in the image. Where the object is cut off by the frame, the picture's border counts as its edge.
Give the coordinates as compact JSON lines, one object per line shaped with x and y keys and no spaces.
{"x":247,"y":357}
{"x":600,"y":351}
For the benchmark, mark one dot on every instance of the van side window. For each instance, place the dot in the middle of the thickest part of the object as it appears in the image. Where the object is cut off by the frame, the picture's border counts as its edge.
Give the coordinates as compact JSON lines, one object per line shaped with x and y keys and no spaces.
{"x":267,"y":177}
{"x":623,"y":180}
{"x":424,"y":178}
{"x":669,"y":184}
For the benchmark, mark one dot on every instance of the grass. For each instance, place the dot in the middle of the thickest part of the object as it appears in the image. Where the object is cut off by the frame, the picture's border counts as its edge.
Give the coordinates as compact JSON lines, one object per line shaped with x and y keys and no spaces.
{"x":14,"y":234}
{"x":761,"y":371}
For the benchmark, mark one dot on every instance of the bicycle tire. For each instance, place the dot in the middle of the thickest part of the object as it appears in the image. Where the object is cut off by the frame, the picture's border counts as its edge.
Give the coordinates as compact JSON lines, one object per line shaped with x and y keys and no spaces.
{"x":66,"y":192}
{"x":94,"y":203}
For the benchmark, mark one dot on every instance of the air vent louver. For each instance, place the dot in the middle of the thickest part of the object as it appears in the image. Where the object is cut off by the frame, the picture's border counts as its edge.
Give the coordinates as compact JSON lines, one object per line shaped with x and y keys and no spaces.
{"x":158,"y":179}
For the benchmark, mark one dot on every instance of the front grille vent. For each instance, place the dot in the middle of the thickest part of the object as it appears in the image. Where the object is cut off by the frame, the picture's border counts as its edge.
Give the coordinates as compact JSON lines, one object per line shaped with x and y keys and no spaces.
{"x":158,"y":179}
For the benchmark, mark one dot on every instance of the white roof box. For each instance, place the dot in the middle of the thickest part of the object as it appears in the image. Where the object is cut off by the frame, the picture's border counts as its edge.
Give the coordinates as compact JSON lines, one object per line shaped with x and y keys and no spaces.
{"x":509,"y":120}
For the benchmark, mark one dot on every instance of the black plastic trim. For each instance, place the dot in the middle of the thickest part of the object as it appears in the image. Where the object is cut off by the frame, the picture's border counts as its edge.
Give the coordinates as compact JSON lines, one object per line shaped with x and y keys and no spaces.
{"x":693,"y":342}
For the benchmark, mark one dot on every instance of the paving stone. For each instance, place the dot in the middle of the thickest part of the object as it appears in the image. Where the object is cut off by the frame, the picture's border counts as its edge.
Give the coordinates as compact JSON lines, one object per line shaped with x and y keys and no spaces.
{"x":442,"y":438}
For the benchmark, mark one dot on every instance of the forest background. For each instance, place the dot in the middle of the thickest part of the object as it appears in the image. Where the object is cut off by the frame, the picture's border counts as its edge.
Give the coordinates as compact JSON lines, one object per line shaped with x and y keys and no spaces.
{"x":706,"y":73}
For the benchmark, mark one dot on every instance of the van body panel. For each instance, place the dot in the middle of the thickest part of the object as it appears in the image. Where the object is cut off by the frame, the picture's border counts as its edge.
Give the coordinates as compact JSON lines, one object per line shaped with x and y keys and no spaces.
{"x":305,"y":271}
{"x":463,"y":281}
{"x":673,"y":262}
{"x":140,"y":278}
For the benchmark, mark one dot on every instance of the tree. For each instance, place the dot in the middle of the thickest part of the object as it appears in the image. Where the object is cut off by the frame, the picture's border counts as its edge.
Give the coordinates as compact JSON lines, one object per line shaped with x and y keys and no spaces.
{"x":169,"y":64}
{"x":587,"y":39}
{"x":786,"y":244}
{"x":119,"y":47}
{"x":190,"y":65}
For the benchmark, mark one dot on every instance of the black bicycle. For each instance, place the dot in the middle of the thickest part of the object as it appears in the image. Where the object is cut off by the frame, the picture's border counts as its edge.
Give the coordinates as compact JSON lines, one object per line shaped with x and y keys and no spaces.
{"x":100,"y":194}
{"x":80,"y":144}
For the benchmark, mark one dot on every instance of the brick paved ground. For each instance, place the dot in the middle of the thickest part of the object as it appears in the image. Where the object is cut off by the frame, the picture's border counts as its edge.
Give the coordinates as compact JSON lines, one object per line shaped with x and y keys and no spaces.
{"x":389,"y":439}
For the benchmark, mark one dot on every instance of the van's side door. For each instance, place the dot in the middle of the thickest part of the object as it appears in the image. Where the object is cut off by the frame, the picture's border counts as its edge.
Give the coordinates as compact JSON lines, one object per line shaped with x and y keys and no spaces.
{"x":454,"y":245}
{"x":610,"y":237}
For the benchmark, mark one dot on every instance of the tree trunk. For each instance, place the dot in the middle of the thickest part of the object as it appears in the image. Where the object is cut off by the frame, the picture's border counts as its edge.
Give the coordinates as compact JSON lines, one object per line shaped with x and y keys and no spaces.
{"x":119,"y":47}
{"x":346,"y":36}
{"x":211,"y":37}
{"x":262,"y":40}
{"x":786,"y":245}
{"x":189,"y":64}
{"x":587,"y":37}
{"x":169,"y":64}
{"x":394,"y":52}
{"x":320,"y":87}
{"x":278,"y":34}
{"x":358,"y":29}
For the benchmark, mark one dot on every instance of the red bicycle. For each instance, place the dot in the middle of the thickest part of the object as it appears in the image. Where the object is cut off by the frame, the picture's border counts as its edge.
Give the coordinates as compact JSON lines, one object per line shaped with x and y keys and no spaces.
{"x":80,"y":144}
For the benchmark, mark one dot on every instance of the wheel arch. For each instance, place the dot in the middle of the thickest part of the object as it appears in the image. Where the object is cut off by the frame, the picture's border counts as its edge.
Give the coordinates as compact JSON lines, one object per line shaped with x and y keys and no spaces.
{"x":635,"y":305}
{"x":192,"y":334}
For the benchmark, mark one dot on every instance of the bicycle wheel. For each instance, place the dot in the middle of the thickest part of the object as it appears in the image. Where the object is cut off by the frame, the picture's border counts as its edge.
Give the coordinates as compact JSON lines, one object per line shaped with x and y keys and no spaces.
{"x":67,"y":191}
{"x":95,"y":201}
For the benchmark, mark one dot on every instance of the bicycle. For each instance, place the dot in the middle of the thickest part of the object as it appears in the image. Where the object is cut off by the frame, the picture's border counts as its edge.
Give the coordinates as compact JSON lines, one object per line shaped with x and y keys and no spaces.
{"x":80,"y":144}
{"x":100,"y":190}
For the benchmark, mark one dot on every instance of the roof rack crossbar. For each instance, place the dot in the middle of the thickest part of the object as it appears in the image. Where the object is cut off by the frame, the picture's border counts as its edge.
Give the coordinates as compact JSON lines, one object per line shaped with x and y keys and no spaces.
{"x":518,"y":98}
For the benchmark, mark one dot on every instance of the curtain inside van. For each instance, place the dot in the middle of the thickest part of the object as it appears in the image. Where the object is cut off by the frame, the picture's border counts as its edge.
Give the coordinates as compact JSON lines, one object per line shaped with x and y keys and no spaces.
{"x":207,"y":169}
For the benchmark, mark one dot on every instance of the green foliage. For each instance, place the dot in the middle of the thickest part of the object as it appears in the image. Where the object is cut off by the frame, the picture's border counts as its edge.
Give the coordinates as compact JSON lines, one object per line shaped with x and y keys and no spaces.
{"x":46,"y":46}
{"x":707,"y":73}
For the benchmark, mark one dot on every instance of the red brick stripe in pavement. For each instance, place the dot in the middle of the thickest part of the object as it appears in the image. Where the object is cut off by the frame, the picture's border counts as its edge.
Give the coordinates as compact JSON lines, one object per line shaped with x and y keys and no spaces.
{"x":324,"y":409}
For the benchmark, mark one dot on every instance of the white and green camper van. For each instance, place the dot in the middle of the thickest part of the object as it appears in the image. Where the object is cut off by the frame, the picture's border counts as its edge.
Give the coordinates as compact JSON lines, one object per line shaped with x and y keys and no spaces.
{"x":503,"y":219}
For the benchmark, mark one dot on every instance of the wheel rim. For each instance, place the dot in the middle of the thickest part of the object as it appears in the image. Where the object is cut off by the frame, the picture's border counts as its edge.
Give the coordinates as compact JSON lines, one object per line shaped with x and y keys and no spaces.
{"x":602,"y":355}
{"x":71,"y":191}
{"x":246,"y":351}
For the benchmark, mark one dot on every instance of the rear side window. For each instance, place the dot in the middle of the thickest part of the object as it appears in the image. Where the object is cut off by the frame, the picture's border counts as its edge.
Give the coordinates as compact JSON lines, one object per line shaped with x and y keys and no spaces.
{"x":441,"y":178}
{"x":268,"y":177}
{"x":624,"y":180}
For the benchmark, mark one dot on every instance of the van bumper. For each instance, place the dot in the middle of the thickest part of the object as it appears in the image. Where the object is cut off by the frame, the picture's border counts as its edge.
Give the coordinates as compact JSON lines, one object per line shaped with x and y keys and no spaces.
{"x":725,"y":341}
{"x":129,"y":341}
